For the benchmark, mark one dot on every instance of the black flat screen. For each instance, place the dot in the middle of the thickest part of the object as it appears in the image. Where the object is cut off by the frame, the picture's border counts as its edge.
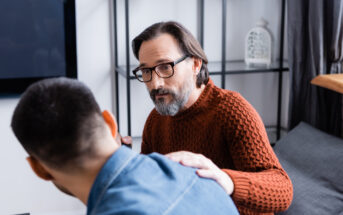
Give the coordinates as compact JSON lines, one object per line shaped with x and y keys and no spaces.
{"x":37,"y":40}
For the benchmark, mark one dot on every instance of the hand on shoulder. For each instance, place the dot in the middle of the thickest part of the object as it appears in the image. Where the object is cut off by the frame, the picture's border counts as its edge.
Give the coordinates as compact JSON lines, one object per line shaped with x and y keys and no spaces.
{"x":206,"y":168}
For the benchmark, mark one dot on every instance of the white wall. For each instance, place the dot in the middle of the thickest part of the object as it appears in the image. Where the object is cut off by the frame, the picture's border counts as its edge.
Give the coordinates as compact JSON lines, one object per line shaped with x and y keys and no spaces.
{"x":259,"y":89}
{"x":20,"y":190}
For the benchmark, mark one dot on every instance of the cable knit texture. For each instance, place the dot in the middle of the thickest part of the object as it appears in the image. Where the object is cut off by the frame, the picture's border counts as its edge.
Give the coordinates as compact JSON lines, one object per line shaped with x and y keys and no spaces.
{"x":224,"y":127}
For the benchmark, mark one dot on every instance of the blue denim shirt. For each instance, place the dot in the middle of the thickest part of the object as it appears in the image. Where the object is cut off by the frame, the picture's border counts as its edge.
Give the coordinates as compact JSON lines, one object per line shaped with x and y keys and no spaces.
{"x":131,"y":183}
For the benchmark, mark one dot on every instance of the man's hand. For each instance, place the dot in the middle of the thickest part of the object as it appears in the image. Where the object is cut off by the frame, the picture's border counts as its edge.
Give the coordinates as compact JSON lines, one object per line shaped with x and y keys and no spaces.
{"x":126,"y":141}
{"x":206,"y":168}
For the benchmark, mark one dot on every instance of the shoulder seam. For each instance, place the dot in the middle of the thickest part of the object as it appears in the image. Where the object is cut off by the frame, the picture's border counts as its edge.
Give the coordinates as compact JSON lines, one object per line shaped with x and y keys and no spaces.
{"x":172,"y":206}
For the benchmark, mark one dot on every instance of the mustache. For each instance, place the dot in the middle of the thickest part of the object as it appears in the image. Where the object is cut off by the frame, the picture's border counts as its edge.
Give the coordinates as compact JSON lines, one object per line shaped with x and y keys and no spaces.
{"x":155,"y":92}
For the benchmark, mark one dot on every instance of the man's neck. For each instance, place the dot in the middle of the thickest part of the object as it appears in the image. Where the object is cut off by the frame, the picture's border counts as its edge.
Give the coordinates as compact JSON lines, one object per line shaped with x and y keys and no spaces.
{"x":80,"y":184}
{"x":194,"y":96}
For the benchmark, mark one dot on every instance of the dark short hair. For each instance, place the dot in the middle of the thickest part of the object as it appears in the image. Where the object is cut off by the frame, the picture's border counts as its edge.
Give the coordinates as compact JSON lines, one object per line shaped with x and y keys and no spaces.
{"x":187,"y":44}
{"x":56,"y":121}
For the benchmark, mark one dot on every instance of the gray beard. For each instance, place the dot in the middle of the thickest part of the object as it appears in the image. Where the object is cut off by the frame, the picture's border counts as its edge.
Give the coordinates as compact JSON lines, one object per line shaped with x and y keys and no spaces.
{"x":174,"y":107}
{"x":177,"y":102}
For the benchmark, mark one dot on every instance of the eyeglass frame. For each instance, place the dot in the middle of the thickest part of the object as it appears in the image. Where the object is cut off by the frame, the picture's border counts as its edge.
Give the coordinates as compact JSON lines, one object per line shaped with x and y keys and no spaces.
{"x":151,"y":69}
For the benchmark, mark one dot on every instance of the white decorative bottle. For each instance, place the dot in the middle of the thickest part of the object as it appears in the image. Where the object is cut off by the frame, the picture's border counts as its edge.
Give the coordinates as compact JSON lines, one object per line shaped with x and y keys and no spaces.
{"x":258,"y":45}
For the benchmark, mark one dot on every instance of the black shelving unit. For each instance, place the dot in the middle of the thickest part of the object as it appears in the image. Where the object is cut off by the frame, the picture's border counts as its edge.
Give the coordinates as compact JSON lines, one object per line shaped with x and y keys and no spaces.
{"x":221,"y":68}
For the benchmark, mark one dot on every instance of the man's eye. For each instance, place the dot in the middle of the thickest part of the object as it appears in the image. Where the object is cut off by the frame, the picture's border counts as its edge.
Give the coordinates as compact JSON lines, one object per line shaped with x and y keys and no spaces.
{"x":164,"y":67}
{"x":145,"y":71}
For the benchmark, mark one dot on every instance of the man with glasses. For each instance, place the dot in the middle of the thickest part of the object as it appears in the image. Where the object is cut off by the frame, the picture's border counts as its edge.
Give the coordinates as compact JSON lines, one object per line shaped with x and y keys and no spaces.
{"x":200,"y":125}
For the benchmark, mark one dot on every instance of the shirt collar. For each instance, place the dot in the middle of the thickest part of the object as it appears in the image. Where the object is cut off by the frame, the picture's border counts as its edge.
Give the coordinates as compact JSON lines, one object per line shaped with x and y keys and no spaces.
{"x":108,"y":173}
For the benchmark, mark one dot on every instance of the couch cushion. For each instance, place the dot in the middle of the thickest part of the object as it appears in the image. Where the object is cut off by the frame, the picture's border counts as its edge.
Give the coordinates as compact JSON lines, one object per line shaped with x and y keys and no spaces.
{"x":314,"y":162}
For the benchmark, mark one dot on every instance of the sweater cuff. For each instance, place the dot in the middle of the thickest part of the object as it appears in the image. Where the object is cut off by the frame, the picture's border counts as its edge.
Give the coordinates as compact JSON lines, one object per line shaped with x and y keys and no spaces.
{"x":241,"y":184}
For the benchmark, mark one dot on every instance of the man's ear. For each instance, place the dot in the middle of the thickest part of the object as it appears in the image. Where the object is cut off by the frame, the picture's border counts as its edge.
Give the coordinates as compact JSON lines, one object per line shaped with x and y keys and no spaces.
{"x":111,"y":122}
{"x":39,"y":169}
{"x":197,"y":63}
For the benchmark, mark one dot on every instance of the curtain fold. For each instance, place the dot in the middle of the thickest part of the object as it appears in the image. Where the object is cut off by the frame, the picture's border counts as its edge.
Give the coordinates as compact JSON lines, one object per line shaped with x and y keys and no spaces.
{"x":315,"y":46}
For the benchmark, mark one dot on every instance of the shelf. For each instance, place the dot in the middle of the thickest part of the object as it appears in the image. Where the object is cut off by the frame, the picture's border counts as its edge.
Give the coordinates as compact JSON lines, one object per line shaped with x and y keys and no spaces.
{"x":239,"y":67}
{"x":231,"y":67}
{"x":215,"y":67}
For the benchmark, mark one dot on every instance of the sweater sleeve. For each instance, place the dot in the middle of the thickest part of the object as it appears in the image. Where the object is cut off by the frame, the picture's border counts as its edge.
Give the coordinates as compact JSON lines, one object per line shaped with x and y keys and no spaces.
{"x":260,"y":183}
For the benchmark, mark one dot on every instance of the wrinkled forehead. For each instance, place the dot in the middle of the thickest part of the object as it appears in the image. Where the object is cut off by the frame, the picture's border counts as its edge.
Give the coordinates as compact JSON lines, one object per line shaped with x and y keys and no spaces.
{"x":164,"y":47}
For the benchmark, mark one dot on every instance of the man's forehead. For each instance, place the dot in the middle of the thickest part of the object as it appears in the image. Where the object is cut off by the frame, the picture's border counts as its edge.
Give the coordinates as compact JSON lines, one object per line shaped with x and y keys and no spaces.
{"x":160,"y":48}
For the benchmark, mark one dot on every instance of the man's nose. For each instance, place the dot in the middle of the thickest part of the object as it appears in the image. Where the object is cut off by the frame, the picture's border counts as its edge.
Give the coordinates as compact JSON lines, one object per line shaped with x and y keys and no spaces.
{"x":156,"y":81}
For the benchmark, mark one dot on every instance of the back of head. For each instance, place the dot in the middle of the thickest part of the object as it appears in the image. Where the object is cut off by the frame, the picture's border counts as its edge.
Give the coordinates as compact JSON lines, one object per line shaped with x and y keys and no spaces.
{"x":187,"y":44}
{"x":57,"y":121}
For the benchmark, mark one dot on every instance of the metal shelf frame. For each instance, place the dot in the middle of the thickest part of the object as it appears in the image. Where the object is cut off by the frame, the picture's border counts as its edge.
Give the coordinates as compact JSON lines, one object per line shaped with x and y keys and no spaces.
{"x":226,"y":67}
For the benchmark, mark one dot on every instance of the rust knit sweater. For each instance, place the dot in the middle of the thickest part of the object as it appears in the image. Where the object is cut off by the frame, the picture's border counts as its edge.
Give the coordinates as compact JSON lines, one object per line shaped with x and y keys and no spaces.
{"x":224,"y":127}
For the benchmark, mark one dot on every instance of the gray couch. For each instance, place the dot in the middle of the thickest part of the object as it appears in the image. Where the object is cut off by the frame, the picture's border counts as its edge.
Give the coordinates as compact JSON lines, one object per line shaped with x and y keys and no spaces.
{"x":314,"y":162}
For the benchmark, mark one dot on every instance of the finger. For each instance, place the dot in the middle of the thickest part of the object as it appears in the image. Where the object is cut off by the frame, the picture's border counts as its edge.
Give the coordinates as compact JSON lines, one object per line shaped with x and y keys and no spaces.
{"x":207,"y":173}
{"x":173,"y":158}
{"x":195,"y":163}
{"x":170,"y":155}
{"x":178,"y":156}
{"x":126,"y":140}
{"x":222,"y":179}
{"x":191,"y":159}
{"x":178,"y":153}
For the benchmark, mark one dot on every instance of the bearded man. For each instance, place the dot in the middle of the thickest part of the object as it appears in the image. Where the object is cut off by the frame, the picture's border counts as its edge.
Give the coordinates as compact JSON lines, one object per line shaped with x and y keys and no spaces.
{"x":200,"y":125}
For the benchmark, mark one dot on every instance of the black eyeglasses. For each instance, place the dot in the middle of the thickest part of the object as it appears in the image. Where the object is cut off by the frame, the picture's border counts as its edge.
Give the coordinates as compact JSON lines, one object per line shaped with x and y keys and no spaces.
{"x":163,"y":70}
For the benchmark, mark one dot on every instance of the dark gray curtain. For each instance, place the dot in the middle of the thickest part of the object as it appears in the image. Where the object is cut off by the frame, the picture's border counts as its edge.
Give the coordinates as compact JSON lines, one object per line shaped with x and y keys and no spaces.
{"x":315,"y":46}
